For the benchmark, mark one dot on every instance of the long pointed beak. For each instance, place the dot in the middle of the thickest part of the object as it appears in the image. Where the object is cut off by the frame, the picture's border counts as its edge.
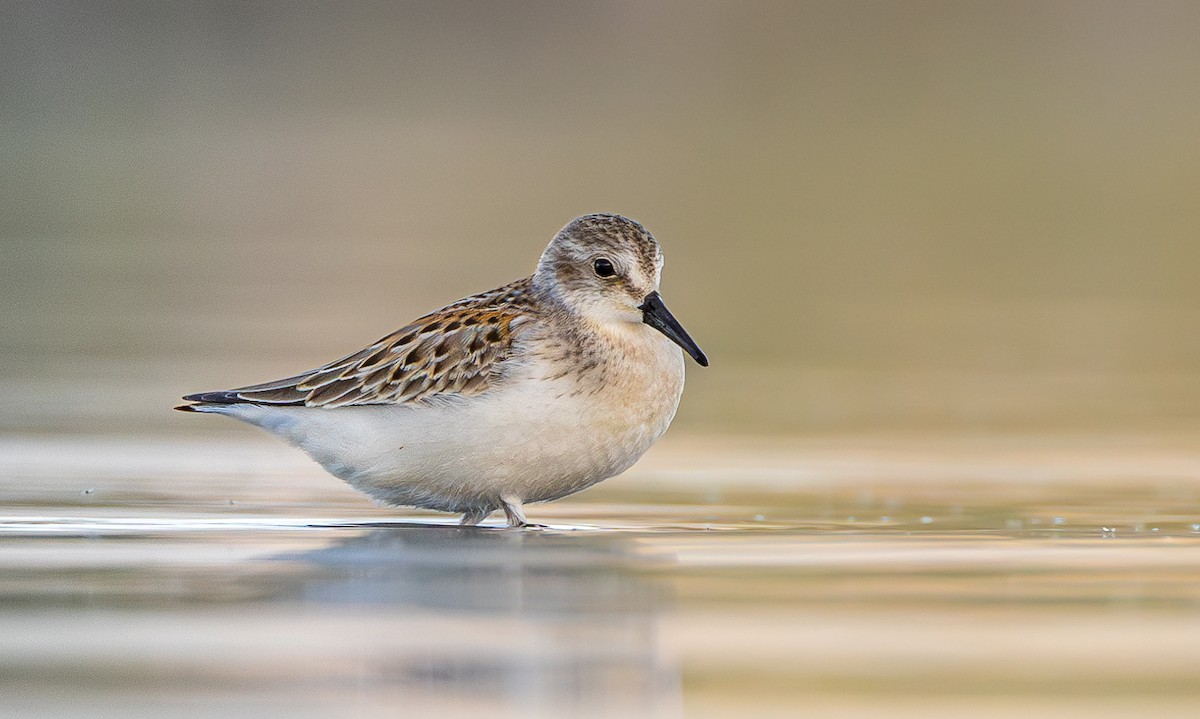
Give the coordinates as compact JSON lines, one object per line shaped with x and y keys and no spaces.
{"x":656,"y":314}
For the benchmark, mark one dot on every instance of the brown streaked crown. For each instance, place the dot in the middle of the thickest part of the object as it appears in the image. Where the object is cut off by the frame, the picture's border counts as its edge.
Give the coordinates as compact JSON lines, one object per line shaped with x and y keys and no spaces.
{"x":566,"y":265}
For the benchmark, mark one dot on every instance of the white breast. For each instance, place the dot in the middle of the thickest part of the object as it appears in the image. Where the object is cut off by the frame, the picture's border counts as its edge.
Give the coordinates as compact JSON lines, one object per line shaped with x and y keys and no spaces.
{"x":540,"y":435}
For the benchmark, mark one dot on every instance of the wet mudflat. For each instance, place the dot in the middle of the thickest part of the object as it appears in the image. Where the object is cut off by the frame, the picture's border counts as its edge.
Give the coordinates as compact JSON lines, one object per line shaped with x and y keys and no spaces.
{"x":834,"y":577}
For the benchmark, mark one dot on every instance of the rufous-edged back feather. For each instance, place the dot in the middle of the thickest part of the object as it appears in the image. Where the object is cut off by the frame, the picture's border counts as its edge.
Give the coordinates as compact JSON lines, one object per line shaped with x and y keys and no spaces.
{"x":458,"y":350}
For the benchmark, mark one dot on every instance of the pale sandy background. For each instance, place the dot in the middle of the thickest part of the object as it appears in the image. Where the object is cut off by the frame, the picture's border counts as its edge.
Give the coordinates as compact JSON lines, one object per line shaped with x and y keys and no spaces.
{"x":942,"y":255}
{"x":961,"y":215}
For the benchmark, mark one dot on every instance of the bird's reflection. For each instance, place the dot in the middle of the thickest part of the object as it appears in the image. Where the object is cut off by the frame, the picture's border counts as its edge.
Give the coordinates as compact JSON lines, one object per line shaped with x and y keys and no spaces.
{"x":556,"y":621}
{"x":482,"y":570}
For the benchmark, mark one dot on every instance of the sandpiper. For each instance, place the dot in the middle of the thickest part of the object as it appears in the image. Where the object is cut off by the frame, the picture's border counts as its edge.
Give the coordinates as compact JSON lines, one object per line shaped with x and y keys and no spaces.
{"x":527,"y":393}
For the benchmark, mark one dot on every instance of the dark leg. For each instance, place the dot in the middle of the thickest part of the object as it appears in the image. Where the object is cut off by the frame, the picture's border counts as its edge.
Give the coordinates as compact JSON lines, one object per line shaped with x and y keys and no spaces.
{"x":515,"y":514}
{"x":475,"y":516}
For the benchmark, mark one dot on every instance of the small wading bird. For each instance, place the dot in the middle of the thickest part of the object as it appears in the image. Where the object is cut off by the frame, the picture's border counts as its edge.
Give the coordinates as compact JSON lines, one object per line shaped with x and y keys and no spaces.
{"x":527,"y":393}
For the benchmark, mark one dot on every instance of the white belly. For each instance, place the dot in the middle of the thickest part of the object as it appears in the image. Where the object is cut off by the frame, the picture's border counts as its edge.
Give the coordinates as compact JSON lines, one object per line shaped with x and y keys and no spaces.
{"x":535,"y":439}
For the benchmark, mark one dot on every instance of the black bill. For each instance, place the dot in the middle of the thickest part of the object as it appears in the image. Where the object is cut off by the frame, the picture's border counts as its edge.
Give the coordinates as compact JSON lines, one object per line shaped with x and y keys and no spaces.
{"x":656,"y":314}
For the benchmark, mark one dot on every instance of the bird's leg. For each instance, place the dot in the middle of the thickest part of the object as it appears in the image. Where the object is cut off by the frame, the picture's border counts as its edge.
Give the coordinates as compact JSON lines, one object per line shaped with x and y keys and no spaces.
{"x":475,"y":516}
{"x":513,"y":511}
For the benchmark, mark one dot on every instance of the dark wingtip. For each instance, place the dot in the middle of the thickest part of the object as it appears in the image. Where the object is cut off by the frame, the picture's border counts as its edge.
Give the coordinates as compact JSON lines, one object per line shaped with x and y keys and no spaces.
{"x":220,"y":397}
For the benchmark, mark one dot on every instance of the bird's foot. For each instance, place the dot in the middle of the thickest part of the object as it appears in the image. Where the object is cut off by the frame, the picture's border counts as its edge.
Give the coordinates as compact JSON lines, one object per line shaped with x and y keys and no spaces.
{"x":516,"y":514}
{"x":470,"y":519}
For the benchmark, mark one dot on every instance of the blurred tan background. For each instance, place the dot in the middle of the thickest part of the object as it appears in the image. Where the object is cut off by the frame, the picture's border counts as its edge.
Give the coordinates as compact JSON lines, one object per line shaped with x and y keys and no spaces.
{"x":959,"y":216}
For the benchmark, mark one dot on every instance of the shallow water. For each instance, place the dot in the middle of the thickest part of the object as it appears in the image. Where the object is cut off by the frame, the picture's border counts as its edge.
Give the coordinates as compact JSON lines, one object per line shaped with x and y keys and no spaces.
{"x":837,"y":576}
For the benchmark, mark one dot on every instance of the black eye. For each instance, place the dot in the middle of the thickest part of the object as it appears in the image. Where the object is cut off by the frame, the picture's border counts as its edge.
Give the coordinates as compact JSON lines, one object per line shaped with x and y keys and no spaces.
{"x":604,"y":268}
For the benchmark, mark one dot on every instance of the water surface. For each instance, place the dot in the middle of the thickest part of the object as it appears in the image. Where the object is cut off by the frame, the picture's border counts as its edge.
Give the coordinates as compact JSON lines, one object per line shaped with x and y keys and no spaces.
{"x":852,"y":577}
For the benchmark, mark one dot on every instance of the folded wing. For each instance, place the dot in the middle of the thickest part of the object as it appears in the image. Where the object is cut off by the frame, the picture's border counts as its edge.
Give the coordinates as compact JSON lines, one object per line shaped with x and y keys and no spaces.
{"x":459,"y":350}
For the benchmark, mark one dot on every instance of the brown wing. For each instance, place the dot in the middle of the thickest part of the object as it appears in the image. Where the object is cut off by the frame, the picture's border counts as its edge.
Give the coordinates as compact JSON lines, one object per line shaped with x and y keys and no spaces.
{"x":458,"y":350}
